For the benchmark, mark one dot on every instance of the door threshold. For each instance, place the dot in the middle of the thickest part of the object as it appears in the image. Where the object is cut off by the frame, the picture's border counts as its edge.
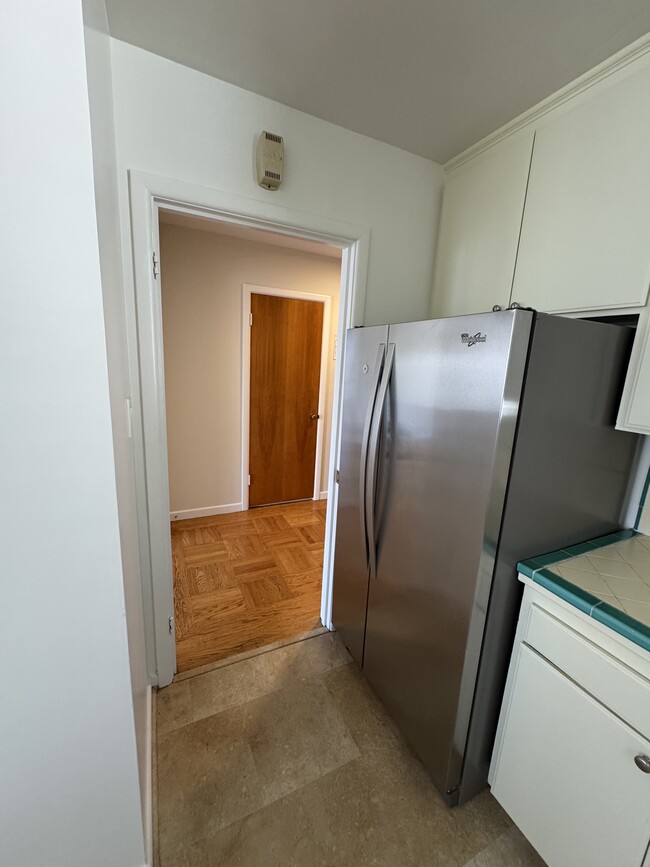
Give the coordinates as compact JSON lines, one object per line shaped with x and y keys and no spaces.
{"x":247,"y":654}
{"x":283,"y":503}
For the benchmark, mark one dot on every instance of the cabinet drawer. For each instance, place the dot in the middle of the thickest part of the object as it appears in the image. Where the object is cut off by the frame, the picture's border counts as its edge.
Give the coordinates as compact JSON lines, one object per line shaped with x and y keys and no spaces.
{"x":618,"y":687}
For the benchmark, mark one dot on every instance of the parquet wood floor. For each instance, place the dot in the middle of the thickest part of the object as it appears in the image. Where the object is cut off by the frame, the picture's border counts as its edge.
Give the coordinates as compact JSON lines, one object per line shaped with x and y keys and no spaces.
{"x":246,"y":579}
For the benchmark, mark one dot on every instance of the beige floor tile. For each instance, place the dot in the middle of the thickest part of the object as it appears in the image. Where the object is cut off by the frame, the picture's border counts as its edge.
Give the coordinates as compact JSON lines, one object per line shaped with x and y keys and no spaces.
{"x":173,"y":707}
{"x":308,"y":658}
{"x":310,"y":772}
{"x":464,"y":830}
{"x":296,"y":735}
{"x":236,"y":684}
{"x":511,"y":849}
{"x":207,"y":779}
{"x":231,"y":686}
{"x":360,"y":814}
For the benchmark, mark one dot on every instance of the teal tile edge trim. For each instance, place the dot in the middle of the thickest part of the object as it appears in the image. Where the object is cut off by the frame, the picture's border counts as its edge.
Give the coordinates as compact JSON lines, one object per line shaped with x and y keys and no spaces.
{"x":528,"y":567}
{"x":620,"y":536}
{"x":622,"y":623}
{"x":565,"y":590}
{"x":642,"y":501}
{"x":618,"y":621}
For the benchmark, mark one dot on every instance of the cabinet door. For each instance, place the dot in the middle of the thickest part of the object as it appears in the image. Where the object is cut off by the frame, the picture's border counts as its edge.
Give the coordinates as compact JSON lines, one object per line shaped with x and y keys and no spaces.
{"x":481,"y":217}
{"x":566,"y":772}
{"x":584,"y":240}
{"x":634,"y":413}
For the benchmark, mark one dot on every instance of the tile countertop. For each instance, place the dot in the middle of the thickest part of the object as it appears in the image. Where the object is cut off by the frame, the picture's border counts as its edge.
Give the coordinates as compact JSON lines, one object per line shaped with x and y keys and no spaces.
{"x":608,"y":579}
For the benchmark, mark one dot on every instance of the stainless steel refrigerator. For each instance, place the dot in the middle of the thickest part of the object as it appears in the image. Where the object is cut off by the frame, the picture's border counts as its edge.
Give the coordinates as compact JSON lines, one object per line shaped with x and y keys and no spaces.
{"x":468,"y":443}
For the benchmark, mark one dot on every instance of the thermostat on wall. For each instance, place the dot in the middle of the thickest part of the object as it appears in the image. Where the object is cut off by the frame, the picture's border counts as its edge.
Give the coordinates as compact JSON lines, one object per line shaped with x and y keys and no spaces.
{"x":270,"y":160}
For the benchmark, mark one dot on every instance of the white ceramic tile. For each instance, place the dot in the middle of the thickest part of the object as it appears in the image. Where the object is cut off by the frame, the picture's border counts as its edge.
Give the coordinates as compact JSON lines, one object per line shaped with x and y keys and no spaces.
{"x":581,"y":562}
{"x":642,"y":571}
{"x":623,"y":588}
{"x":615,"y":568}
{"x":609,"y":552}
{"x":610,"y":600}
{"x":643,"y":540}
{"x":632,"y":551}
{"x":639,"y":610}
{"x":592,"y":582}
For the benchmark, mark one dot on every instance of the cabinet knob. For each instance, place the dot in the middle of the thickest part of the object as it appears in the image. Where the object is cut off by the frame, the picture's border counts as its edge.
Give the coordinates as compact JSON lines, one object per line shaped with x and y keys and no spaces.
{"x":643,"y":763}
{"x":514,"y":306}
{"x":313,"y":416}
{"x":496,"y":308}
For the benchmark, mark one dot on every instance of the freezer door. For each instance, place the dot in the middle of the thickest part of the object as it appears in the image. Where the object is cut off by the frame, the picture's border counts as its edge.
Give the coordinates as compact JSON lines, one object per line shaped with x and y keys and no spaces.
{"x":365,"y":351}
{"x":447,"y":441}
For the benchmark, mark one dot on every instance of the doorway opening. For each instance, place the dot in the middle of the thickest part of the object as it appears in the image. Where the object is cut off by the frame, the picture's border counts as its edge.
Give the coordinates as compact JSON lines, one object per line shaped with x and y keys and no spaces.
{"x":148,"y":195}
{"x":249,"y":325}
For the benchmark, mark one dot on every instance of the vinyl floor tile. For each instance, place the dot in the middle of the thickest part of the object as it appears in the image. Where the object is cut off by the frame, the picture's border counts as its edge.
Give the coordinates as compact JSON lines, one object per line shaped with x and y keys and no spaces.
{"x":296,"y":763}
{"x":510,"y":848}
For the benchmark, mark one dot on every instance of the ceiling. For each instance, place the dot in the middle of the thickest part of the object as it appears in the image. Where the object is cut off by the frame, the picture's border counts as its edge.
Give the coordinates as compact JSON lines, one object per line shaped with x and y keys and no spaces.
{"x":429,"y":76}
{"x":260,"y":236}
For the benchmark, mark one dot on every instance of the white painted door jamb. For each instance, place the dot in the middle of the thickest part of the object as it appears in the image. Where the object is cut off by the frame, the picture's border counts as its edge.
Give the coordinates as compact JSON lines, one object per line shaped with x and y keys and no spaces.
{"x":148,"y":193}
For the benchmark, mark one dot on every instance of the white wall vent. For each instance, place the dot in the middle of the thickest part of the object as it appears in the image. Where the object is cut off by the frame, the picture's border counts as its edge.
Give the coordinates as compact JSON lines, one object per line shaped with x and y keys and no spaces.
{"x":270,"y":160}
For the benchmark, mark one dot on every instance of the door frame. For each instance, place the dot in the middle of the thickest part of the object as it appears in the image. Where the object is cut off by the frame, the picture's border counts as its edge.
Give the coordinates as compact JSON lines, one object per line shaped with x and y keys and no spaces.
{"x":249,"y":289}
{"x":148,"y":193}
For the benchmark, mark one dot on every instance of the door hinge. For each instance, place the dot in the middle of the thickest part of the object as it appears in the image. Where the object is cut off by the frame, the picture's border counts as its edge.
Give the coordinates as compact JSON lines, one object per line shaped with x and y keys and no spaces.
{"x":155,"y":265}
{"x":250,"y":318}
{"x":249,"y":481}
{"x":171,"y":625}
{"x":129,"y":419}
{"x":337,"y":477}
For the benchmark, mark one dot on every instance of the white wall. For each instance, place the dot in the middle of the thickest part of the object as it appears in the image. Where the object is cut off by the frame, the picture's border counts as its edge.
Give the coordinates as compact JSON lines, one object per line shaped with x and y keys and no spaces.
{"x":201,"y":278}
{"x":98,"y":66}
{"x":69,"y":791}
{"x":179,"y":123}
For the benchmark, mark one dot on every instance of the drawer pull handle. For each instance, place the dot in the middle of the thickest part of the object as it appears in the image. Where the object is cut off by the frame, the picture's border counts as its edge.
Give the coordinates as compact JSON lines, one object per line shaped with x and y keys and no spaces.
{"x":642,"y":763}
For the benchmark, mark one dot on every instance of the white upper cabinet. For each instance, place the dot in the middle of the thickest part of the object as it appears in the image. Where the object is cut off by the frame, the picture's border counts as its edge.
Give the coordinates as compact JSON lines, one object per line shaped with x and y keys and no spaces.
{"x":634,"y":412}
{"x":585,"y":239}
{"x":479,"y":229}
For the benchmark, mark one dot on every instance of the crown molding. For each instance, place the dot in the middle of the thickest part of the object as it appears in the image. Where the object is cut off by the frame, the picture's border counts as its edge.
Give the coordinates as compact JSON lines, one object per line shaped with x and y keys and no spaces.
{"x":608,"y":67}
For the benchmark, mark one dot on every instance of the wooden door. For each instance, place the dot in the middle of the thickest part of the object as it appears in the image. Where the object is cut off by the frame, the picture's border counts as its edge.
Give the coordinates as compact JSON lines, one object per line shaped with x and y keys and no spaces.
{"x":286,"y":335}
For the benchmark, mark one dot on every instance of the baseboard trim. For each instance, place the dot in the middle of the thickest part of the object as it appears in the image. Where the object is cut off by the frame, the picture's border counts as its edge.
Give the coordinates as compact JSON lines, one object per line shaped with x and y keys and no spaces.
{"x":184,"y":514}
{"x":149,"y":784}
{"x":323,"y":495}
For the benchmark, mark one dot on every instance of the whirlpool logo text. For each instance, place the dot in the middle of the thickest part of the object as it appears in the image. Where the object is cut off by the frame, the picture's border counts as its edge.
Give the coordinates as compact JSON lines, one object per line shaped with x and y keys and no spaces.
{"x":472,"y":339}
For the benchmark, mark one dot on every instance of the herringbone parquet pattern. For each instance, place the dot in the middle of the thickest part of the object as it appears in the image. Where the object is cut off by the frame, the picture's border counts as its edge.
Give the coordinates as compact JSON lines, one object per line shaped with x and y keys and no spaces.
{"x":246,"y":579}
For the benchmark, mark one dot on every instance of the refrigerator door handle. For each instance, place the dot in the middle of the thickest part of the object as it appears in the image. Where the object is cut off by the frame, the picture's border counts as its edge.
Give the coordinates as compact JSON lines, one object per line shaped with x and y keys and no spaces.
{"x":373,"y":446}
{"x":379,"y":367}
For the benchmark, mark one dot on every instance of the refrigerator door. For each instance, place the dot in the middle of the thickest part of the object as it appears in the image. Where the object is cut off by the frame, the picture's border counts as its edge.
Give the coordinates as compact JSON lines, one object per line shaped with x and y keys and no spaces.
{"x":448,"y":432}
{"x":365,"y":352}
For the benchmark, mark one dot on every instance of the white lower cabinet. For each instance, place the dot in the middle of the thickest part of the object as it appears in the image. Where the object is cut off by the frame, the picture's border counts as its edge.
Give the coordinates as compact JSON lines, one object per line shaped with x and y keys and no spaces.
{"x":564,"y":764}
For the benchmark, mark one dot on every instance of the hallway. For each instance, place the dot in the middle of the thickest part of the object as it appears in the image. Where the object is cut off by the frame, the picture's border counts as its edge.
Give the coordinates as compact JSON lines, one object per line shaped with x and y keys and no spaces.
{"x":246,"y":579}
{"x":288,"y":759}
